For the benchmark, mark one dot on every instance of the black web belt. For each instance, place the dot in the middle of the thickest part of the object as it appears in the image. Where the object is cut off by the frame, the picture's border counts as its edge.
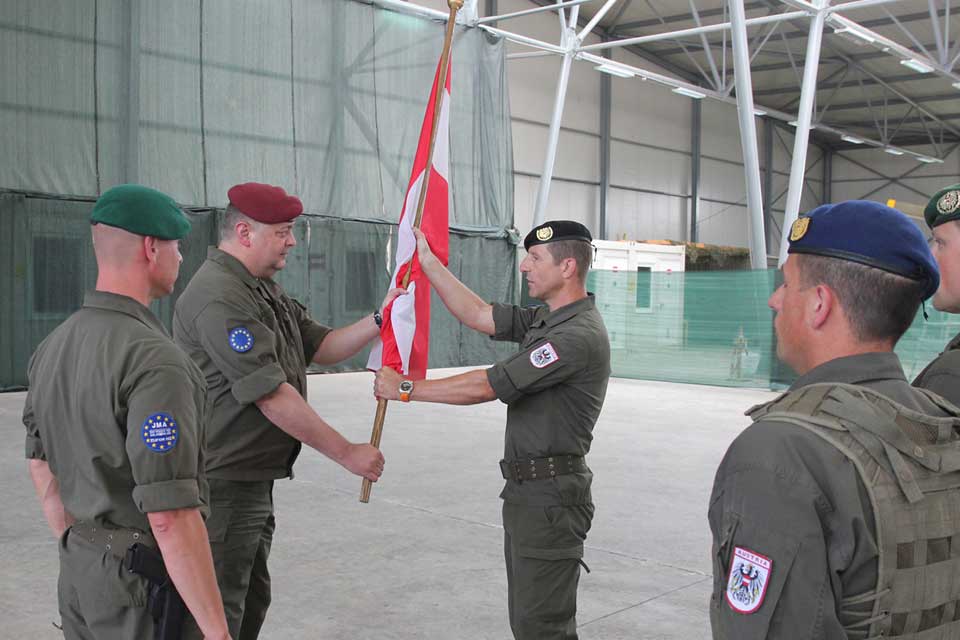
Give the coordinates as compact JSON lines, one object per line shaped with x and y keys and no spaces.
{"x":541,"y":468}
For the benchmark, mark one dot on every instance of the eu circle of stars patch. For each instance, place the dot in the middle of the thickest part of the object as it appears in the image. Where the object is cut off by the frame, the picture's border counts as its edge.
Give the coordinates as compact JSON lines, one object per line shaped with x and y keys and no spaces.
{"x":241,"y":340}
{"x":160,"y":432}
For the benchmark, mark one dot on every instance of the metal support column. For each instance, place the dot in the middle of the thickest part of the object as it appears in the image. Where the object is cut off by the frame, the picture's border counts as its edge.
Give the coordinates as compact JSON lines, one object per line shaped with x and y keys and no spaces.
{"x":768,"y":130}
{"x":696,"y":131}
{"x":748,"y":133}
{"x":543,"y":192}
{"x":827,"y":193}
{"x":130,"y":120}
{"x":808,"y":90}
{"x":606,"y":93}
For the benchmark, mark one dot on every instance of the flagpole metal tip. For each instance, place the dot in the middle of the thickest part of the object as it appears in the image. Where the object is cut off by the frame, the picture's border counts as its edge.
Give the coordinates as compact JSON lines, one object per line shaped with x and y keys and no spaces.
{"x":455,"y":4}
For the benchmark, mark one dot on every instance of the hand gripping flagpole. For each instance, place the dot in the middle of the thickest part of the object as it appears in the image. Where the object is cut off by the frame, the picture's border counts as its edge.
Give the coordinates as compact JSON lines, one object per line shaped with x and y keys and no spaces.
{"x":455,"y":6}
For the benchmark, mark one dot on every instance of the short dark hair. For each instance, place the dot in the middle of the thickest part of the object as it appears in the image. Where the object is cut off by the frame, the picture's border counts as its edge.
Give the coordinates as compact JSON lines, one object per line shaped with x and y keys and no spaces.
{"x":879,"y":305}
{"x":580,"y":251}
{"x":228,"y":221}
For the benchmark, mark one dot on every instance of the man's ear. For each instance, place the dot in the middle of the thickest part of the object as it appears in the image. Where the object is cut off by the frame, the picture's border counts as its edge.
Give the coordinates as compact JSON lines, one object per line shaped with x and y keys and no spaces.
{"x":150,"y":250}
{"x":244,"y":232}
{"x":822,"y":303}
{"x":569,"y":268}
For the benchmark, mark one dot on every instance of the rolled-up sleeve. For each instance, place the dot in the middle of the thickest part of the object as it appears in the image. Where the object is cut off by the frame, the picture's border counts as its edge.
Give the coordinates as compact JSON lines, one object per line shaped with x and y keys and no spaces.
{"x":33,"y":447}
{"x":253,"y":371}
{"x":163,"y":440}
{"x":547,"y":362}
{"x":510,"y":322}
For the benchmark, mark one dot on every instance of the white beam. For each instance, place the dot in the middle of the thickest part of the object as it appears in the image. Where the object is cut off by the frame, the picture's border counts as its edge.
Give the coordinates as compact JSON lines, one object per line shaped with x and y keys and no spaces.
{"x":710,"y":28}
{"x":798,"y":166}
{"x":748,"y":134}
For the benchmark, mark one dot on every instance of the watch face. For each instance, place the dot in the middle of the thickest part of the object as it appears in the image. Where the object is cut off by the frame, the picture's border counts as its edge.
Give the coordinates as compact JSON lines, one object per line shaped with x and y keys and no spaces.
{"x":406,"y":386}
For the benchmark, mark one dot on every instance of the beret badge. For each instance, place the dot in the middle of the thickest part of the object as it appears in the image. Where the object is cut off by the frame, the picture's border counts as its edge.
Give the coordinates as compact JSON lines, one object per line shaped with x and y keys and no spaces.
{"x":949,"y":202}
{"x":799,"y":228}
{"x":544,"y":234}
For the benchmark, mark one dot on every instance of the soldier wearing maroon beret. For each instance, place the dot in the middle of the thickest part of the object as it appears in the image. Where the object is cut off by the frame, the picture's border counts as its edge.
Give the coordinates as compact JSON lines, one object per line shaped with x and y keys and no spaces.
{"x":254,"y":343}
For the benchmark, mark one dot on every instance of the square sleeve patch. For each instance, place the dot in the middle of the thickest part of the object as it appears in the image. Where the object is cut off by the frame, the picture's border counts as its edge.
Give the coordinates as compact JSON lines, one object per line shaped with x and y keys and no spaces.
{"x":543,"y":356}
{"x":748,"y":580}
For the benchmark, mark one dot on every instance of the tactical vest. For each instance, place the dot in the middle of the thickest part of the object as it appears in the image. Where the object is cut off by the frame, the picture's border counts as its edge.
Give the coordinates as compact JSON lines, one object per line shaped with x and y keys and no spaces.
{"x":909,"y":463}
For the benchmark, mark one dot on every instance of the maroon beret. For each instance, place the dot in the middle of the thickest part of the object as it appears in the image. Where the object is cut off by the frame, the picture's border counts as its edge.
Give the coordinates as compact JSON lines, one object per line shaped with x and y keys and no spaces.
{"x":265,"y":203}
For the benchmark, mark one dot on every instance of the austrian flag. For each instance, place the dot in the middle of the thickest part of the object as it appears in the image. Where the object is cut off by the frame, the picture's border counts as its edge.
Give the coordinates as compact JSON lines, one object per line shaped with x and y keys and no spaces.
{"x":404,"y":336}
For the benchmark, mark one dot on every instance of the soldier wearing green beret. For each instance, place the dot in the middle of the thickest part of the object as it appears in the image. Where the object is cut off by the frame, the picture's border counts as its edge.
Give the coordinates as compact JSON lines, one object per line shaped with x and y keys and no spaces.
{"x":554,"y":388}
{"x":114,"y":420}
{"x":942,"y":215}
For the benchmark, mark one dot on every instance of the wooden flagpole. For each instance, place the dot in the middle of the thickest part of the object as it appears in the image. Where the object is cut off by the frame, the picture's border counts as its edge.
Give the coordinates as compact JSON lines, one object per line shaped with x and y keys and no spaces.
{"x":455,"y":6}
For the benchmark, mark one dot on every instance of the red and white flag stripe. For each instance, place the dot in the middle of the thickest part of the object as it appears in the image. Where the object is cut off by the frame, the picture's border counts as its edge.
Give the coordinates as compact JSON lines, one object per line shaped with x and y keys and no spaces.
{"x":404,"y":337}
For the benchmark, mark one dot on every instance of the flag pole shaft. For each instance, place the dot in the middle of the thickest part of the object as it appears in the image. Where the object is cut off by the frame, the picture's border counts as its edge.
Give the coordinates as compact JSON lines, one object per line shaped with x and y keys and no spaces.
{"x":454,"y":5}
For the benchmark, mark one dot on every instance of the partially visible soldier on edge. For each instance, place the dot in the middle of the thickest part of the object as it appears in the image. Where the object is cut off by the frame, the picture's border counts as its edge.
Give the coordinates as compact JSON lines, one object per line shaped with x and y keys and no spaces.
{"x":943,"y":217}
{"x":114,"y":420}
{"x":836,"y":514}
{"x":254,"y":343}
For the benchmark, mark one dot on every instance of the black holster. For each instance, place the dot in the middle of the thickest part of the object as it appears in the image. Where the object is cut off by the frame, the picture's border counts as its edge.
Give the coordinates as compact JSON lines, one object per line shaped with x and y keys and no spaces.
{"x":164,"y":603}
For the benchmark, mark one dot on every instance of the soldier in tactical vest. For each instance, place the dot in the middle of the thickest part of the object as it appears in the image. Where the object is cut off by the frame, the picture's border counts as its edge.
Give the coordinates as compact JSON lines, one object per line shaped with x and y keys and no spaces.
{"x":943,"y":217}
{"x":836,"y":514}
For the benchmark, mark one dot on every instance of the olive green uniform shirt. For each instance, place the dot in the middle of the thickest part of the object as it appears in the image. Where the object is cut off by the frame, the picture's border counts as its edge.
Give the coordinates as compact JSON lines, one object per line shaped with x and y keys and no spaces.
{"x":787,"y":494}
{"x":942,"y":376}
{"x":554,"y":389}
{"x":278,"y":341}
{"x":98,"y":383}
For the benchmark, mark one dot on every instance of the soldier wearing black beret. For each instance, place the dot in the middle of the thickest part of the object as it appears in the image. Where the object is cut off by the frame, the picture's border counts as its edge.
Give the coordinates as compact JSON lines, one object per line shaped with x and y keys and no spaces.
{"x":942,"y":214}
{"x":114,"y":420}
{"x":836,"y":513}
{"x":554,"y":388}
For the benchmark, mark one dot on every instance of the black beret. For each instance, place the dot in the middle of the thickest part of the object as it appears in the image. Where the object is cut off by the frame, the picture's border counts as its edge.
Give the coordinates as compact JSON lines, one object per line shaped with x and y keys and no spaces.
{"x":555,"y":231}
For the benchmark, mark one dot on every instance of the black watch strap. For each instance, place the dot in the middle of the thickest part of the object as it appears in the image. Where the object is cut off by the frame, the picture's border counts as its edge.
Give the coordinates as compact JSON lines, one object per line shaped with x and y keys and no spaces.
{"x":378,"y":318}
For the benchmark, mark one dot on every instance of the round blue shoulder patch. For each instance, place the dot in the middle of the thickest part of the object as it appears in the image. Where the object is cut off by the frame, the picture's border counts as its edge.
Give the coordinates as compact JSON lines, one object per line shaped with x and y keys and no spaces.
{"x":241,"y":339}
{"x":160,"y":432}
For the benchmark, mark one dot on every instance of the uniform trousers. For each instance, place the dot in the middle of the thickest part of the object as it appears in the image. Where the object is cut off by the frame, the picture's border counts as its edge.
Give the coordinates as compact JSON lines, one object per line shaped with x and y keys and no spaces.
{"x":543,"y":548}
{"x":240,"y":527}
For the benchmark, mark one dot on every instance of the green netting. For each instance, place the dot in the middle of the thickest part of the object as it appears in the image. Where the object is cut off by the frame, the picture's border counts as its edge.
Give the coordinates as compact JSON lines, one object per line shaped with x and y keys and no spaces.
{"x":339,"y":270}
{"x":715,"y":328}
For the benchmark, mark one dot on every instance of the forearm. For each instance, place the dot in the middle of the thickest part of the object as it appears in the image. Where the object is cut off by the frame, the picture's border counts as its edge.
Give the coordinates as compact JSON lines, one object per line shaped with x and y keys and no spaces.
{"x":464,"y":304}
{"x":48,"y":491}
{"x":287,"y":409}
{"x":467,"y":388}
{"x":182,"y":538}
{"x":345,"y":342}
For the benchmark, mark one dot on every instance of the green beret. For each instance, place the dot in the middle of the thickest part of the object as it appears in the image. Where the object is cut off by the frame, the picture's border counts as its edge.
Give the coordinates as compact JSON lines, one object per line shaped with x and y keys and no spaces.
{"x":944,"y":206}
{"x":141,"y":210}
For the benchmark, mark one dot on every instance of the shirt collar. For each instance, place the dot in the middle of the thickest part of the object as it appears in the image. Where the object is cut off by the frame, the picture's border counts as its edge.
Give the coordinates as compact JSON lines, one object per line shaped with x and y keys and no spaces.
{"x":564,"y":313}
{"x":232,"y":265}
{"x":865,"y":367}
{"x":123,"y":304}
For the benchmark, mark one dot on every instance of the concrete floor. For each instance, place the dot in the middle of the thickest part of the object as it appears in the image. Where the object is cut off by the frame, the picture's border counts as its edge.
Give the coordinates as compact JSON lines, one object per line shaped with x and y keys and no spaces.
{"x":424,"y":558}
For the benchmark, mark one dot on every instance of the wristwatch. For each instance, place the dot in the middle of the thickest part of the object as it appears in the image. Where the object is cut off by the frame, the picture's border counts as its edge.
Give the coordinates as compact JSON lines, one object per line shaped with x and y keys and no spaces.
{"x":377,"y":318}
{"x":406,"y":388}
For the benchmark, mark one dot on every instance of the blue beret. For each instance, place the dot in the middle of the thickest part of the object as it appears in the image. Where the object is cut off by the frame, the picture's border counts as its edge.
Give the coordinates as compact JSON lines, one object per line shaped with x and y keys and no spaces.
{"x":869,"y":233}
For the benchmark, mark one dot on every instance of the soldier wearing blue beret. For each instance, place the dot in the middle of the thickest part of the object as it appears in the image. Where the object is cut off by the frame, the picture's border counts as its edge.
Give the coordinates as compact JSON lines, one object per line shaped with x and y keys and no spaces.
{"x":114,"y":420}
{"x":942,"y":215}
{"x":836,"y":514}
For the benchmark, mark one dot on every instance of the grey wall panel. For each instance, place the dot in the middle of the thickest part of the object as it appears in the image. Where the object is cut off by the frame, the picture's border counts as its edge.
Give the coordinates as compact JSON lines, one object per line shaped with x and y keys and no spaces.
{"x":722,"y":181}
{"x":47,"y":110}
{"x":650,"y":113}
{"x":721,"y":132}
{"x":633,"y":215}
{"x":653,"y":169}
{"x":724,"y":224}
{"x":568,"y":201}
{"x":171,"y":150}
{"x":247,"y":95}
{"x":577,"y":153}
